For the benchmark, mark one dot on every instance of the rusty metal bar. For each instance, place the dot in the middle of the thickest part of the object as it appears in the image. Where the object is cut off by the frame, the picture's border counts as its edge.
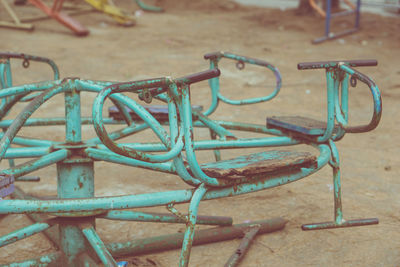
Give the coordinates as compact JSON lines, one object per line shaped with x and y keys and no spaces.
{"x":125,"y":215}
{"x":174,"y":241}
{"x":25,"y":232}
{"x":249,"y":236}
{"x":98,"y":246}
{"x":347,"y":223}
{"x":52,"y":233}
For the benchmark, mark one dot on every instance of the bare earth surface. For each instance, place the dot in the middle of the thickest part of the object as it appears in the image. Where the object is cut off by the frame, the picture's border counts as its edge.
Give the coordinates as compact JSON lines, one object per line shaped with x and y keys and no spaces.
{"x":173,"y":43}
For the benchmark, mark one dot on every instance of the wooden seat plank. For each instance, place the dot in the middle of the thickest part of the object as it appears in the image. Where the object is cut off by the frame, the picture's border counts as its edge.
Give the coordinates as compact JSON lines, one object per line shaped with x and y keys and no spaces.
{"x":260,"y":163}
{"x":298,"y":124}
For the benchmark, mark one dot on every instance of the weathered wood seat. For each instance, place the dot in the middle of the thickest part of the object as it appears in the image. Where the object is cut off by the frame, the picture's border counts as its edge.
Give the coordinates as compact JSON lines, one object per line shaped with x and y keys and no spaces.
{"x":267,"y":162}
{"x":159,"y":112}
{"x":298,"y":124}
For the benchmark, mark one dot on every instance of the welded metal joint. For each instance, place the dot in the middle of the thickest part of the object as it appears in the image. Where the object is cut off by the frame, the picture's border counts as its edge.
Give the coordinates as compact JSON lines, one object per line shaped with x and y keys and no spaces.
{"x":170,"y":207}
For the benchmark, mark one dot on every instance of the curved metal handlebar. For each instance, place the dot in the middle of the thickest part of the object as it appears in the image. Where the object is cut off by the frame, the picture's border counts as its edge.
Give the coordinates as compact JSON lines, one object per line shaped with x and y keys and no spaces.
{"x":216,"y":56}
{"x":376,"y":117}
{"x":147,"y":117}
{"x":28,"y":58}
{"x":189,"y":79}
{"x":331,"y":64}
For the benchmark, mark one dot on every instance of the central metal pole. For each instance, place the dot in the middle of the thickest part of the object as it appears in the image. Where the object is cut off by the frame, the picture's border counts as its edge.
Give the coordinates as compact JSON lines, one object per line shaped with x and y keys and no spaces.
{"x":75,"y":180}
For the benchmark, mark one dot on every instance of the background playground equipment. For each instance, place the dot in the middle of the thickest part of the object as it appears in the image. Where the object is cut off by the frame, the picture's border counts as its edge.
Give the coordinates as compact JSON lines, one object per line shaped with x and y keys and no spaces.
{"x":106,"y":6}
{"x":123,"y":18}
{"x":75,"y":209}
{"x":16,"y":23}
{"x":328,"y":15}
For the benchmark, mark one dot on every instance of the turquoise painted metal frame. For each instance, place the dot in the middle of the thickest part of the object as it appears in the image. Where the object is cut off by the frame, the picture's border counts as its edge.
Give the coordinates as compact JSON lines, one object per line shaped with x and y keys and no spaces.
{"x":76,"y":208}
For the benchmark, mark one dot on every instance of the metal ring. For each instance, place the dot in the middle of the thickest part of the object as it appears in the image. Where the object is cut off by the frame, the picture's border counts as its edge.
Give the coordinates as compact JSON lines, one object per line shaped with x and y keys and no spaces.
{"x":25,"y":63}
{"x":146,"y":95}
{"x":353,"y":81}
{"x":240,"y":65}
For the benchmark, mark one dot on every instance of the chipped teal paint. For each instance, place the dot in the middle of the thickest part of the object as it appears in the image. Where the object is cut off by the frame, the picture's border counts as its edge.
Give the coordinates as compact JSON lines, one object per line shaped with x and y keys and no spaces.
{"x":331,"y":107}
{"x":53,"y":122}
{"x":23,"y":233}
{"x":191,"y":223}
{"x":37,"y":164}
{"x":377,"y":100}
{"x":151,"y":199}
{"x":214,"y":83}
{"x":26,"y":152}
{"x":74,"y":157}
{"x":99,"y":247}
{"x":214,"y":86}
{"x":215,"y":127}
{"x":30,"y":142}
{"x":28,"y":88}
{"x":115,"y":158}
{"x":337,"y":192}
{"x":74,"y":180}
{"x":189,"y":147}
{"x":73,"y":117}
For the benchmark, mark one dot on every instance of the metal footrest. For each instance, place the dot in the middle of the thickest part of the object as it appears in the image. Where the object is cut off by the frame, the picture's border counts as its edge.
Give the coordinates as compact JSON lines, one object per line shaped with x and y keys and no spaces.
{"x":260,"y":163}
{"x":159,"y":112}
{"x":298,"y":124}
{"x":6,"y":185}
{"x":330,"y":225}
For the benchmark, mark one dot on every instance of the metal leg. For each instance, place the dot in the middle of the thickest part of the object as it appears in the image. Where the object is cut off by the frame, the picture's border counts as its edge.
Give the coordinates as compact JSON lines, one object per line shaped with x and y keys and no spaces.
{"x":75,"y":180}
{"x":217,"y":153}
{"x":192,"y":217}
{"x":98,"y":246}
{"x":17,"y":24}
{"x":330,"y":35}
{"x":243,"y":247}
{"x":338,"y":222}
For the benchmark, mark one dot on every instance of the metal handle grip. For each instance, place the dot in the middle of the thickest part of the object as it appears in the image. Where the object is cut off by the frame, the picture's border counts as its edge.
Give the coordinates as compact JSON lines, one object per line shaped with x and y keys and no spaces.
{"x":330,"y":64}
{"x":198,"y":77}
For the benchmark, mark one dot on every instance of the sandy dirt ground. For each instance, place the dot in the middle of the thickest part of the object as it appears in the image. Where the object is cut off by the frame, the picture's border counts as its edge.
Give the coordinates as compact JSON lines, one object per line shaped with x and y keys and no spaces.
{"x":173,"y":43}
